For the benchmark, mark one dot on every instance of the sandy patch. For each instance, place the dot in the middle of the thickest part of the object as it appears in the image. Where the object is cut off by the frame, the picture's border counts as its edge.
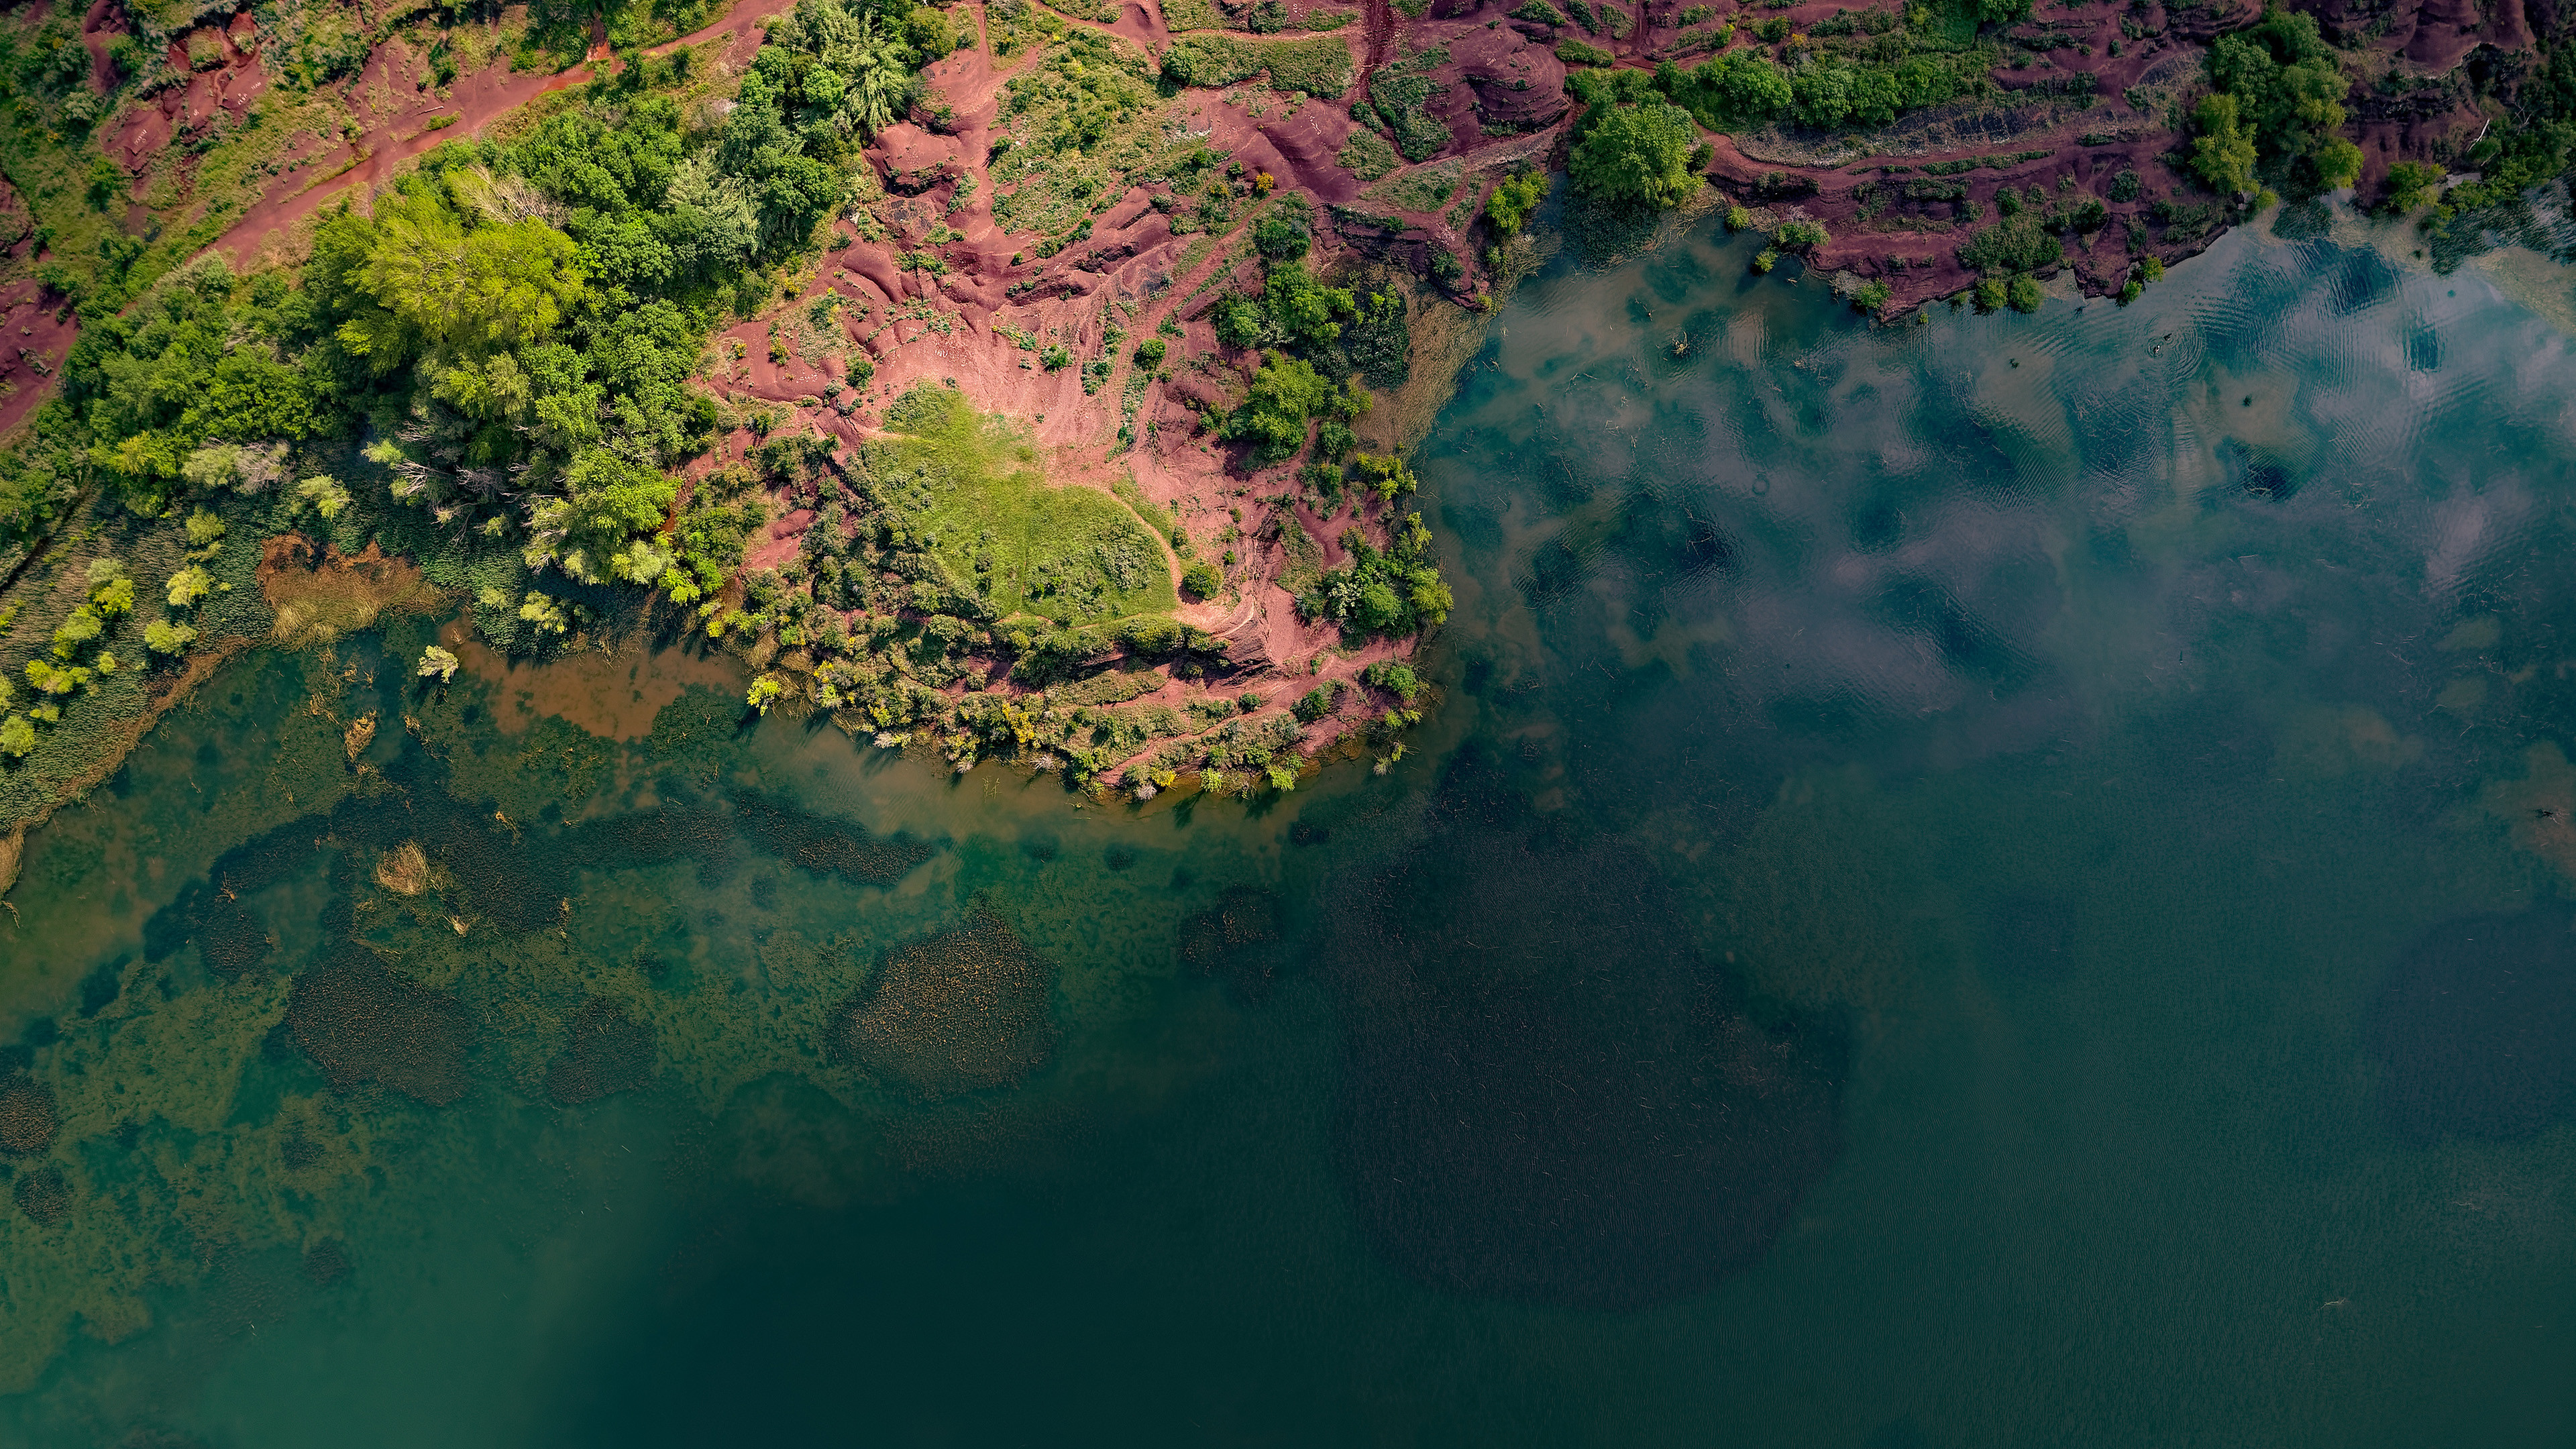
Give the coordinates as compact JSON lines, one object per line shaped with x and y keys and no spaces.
{"x":319,"y":600}
{"x":612,"y":694}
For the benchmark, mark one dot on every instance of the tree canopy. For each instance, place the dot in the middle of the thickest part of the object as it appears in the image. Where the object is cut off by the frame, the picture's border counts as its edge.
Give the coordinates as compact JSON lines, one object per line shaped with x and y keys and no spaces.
{"x":1638,"y":155}
{"x":2276,"y":101}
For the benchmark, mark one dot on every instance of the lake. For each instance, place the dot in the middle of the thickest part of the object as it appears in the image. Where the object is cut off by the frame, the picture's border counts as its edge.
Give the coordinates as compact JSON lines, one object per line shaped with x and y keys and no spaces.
{"x":1994,"y":881}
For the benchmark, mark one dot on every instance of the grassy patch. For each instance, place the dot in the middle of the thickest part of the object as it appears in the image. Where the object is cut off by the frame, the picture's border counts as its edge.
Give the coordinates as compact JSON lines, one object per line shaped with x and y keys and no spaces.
{"x":1367,"y":156}
{"x":1084,"y":123}
{"x":1180,"y":15}
{"x":1016,"y":27}
{"x":965,"y":489}
{"x":1399,"y":94}
{"x":1155,"y":515}
{"x":2015,"y":244}
{"x":1320,"y":67}
{"x":1423,"y":188}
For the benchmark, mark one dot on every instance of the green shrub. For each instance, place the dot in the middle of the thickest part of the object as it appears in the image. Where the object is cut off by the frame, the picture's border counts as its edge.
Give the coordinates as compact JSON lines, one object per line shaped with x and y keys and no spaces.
{"x":1798,"y":236}
{"x":2025,"y":294}
{"x":1575,"y":52}
{"x":1286,"y":394}
{"x":1281,"y":236}
{"x":1514,"y":198}
{"x":2410,"y":184}
{"x":1151,"y":352}
{"x":1990,"y":294}
{"x":1765,"y":259}
{"x":1385,"y":474}
{"x":2017,"y":244}
{"x":1871,"y":297}
{"x":1317,"y":702}
{"x":164,"y":636}
{"x":1202,"y":581}
{"x":1395,"y":677}
{"x":1394,"y":592}
{"x":1538,"y":12}
{"x":1055,"y":357}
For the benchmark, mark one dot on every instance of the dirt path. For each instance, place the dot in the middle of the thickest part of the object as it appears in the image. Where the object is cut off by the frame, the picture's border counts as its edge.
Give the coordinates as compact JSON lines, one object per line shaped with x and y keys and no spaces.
{"x":1381,"y":37}
{"x":476,"y":101}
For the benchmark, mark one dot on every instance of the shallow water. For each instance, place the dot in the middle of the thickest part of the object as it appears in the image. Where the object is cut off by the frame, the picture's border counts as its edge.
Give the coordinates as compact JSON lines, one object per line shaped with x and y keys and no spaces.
{"x":1986,"y":882}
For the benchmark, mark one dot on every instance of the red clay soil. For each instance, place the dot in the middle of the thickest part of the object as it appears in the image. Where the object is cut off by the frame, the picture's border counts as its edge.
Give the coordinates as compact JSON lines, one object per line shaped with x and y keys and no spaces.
{"x":104,"y":22}
{"x":1132,"y":256}
{"x":34,"y":339}
{"x":1861,"y":197}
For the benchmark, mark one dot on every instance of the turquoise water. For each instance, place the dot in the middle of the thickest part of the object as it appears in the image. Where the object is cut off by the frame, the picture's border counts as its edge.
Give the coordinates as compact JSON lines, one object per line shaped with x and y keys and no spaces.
{"x":1991,"y":882}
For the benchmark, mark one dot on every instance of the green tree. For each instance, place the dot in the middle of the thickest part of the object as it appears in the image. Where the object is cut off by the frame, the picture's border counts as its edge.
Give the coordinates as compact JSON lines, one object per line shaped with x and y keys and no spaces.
{"x":880,"y":82}
{"x":1514,"y":198}
{"x":591,"y":530}
{"x":77,"y":632}
{"x":452,"y":291}
{"x":165,"y":636}
{"x":2224,"y":154}
{"x":1286,"y":393}
{"x":2409,"y":183}
{"x":1638,"y":156}
{"x":2338,"y":164}
{"x":1302,"y":310}
{"x":2283,"y":88}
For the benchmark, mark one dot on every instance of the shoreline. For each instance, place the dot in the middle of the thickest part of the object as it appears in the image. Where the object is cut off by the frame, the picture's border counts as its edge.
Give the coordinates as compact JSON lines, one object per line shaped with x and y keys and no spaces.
{"x":922,"y":284}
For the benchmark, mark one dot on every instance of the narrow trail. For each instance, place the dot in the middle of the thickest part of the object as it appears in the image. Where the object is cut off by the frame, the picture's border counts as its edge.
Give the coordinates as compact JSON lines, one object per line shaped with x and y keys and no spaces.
{"x":1381,"y":37}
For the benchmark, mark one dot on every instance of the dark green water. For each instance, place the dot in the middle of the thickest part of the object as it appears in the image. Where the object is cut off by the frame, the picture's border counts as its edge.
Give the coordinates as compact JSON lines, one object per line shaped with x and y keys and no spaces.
{"x":1989,"y":883}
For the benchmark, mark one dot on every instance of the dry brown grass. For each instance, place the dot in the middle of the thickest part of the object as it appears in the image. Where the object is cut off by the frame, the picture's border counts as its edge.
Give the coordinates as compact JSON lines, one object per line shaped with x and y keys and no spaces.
{"x":319,"y":600}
